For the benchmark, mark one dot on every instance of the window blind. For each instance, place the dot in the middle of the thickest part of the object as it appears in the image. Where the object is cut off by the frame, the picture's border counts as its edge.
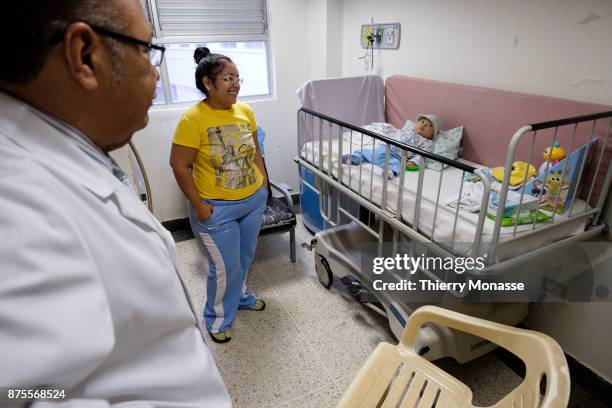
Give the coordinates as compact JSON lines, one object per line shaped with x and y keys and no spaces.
{"x":203,"y":18}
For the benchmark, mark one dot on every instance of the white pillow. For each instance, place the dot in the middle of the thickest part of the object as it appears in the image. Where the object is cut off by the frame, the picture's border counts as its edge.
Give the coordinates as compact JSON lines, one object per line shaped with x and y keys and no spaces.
{"x":446,"y":143}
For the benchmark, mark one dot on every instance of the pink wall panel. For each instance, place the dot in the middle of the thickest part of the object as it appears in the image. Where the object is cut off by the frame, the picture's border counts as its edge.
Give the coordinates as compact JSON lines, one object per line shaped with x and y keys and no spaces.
{"x":491,"y":117}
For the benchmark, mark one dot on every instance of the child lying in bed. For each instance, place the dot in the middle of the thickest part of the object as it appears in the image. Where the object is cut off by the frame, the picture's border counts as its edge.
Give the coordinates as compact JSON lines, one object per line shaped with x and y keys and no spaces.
{"x":421,"y":137}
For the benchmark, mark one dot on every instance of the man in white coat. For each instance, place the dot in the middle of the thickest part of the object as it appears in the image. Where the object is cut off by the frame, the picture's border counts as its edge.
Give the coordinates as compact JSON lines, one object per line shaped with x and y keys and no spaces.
{"x":91,"y":304}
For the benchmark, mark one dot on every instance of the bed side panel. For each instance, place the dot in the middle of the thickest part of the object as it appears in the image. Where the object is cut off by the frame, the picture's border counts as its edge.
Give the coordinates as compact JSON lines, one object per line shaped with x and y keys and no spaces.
{"x":357,"y":100}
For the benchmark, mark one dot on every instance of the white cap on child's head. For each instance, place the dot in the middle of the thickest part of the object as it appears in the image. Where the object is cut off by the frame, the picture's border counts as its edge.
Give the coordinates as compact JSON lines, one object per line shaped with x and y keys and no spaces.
{"x":435,"y":121}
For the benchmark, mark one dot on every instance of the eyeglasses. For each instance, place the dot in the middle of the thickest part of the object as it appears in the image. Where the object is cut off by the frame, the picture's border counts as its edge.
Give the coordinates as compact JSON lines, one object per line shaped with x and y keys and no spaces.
{"x":156,"y":52}
{"x":231,"y":79}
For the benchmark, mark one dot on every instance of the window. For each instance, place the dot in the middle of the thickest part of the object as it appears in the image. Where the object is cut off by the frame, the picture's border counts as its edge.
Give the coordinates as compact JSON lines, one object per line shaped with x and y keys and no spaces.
{"x":237,"y":29}
{"x":252,"y":62}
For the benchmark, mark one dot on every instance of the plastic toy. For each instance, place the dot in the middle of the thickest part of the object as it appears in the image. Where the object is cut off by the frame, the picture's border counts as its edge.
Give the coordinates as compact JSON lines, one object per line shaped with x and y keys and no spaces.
{"x":523,"y":218}
{"x":554,"y":153}
{"x":557,"y":183}
{"x":554,"y":190}
{"x":517,"y":176}
{"x":412,"y":167}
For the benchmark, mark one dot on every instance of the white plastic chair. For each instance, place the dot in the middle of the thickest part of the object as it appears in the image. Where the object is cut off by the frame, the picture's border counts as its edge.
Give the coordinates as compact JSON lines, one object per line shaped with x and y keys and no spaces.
{"x":396,"y":376}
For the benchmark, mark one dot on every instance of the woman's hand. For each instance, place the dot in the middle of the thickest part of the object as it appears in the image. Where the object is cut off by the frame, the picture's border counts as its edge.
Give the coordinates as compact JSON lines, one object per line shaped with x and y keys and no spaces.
{"x":203,"y":211}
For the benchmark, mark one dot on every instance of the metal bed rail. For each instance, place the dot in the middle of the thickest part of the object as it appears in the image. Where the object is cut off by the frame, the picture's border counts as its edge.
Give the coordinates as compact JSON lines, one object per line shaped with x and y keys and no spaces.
{"x":321,"y":131}
{"x":530,"y":133}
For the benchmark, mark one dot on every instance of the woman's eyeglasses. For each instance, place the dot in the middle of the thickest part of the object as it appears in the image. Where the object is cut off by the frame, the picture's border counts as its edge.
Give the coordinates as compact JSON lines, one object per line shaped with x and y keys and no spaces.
{"x":232,"y":79}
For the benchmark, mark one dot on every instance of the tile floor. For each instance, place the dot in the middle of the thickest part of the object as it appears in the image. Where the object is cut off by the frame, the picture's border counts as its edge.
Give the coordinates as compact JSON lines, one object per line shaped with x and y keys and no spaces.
{"x":305,"y":348}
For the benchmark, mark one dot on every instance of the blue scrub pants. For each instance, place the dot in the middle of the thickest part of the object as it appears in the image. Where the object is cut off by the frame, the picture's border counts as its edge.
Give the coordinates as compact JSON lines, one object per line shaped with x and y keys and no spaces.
{"x":228,"y":239}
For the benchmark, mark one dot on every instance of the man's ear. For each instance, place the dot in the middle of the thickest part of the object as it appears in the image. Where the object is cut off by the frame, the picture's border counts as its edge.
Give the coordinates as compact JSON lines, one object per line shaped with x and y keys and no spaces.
{"x":83,"y":53}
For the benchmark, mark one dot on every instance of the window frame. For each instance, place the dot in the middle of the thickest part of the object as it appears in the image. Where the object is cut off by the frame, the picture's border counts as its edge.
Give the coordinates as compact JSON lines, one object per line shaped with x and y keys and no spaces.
{"x":163,"y":69}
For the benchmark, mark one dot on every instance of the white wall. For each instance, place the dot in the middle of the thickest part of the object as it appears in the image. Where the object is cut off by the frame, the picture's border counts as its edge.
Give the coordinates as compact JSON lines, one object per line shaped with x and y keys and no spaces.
{"x":324,"y":41}
{"x":293,"y":63}
{"x":316,"y":41}
{"x":334,"y":20}
{"x":548,"y":47}
{"x":559,"y":48}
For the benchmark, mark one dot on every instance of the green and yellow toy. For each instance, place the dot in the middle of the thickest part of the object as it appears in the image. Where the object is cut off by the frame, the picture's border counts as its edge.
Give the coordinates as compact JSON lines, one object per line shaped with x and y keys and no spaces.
{"x":412,"y":166}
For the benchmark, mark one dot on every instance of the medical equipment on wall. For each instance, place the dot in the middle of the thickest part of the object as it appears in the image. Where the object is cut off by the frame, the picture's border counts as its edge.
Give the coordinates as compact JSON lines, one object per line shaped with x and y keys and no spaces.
{"x":368,"y":38}
{"x":378,"y":36}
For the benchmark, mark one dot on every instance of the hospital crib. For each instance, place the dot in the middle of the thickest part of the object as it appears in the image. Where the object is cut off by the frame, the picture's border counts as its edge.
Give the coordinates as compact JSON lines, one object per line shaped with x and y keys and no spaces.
{"x":372,"y":215}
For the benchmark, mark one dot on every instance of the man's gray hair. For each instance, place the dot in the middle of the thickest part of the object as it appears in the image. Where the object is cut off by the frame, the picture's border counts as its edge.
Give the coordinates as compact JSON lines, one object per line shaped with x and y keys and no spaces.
{"x":30,"y":26}
{"x":106,"y":14}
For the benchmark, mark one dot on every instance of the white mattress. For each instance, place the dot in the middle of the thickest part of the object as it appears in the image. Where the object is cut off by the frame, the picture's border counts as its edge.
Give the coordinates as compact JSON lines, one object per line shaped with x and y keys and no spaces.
{"x":371,"y":179}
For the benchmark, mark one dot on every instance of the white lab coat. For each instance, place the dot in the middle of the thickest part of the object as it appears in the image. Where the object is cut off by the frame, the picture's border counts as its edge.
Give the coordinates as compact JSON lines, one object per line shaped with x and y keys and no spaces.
{"x":90,"y":297}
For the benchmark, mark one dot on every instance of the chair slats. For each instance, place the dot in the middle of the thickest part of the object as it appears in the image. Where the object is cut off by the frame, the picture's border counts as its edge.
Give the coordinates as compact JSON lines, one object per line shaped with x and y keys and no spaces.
{"x":371,"y":371}
{"x":377,"y":392}
{"x":429,"y":395}
{"x":413,"y":392}
{"x":403,"y":379}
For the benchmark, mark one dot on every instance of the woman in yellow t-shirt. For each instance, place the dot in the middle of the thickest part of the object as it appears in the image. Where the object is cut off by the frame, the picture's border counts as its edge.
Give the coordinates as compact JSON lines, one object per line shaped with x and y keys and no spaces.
{"x":217,"y":163}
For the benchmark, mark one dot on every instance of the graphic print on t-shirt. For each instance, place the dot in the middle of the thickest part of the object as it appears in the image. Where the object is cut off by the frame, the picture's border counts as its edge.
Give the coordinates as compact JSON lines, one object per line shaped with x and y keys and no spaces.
{"x":232,"y":154}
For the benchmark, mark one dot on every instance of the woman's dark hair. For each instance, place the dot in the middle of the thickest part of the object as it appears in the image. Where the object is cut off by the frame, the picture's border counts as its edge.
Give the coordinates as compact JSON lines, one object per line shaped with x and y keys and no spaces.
{"x":208,"y":65}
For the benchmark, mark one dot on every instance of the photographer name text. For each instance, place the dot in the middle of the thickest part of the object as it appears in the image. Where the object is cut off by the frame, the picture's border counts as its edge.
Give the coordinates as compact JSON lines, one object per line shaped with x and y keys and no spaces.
{"x":428,"y":285}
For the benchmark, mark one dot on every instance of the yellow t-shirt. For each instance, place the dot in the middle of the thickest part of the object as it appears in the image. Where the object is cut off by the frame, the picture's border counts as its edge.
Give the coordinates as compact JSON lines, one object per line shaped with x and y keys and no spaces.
{"x":224,"y":168}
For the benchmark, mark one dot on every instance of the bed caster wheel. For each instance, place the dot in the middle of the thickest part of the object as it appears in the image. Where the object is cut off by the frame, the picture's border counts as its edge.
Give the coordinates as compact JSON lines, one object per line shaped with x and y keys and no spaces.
{"x":324,"y":273}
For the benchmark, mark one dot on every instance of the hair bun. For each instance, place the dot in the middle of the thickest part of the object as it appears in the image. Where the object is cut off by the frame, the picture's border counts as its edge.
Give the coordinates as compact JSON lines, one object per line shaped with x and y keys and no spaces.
{"x":199,"y":53}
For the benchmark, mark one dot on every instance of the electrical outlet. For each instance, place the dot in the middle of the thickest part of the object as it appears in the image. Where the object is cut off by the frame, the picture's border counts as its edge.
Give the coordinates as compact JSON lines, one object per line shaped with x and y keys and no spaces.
{"x":386,"y":36}
{"x":389,"y":35}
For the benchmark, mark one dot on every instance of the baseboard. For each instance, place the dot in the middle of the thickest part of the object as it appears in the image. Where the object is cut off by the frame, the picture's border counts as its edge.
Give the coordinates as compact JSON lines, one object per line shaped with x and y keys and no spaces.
{"x":177,"y":224}
{"x":590,"y":381}
{"x":596,"y":386}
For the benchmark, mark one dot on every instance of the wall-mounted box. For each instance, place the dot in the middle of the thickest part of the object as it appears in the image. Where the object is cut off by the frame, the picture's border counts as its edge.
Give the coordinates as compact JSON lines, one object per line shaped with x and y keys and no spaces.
{"x":383,"y":36}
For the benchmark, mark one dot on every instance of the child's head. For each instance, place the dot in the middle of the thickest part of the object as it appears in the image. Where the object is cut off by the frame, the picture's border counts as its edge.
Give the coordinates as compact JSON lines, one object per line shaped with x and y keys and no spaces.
{"x":427,"y":125}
